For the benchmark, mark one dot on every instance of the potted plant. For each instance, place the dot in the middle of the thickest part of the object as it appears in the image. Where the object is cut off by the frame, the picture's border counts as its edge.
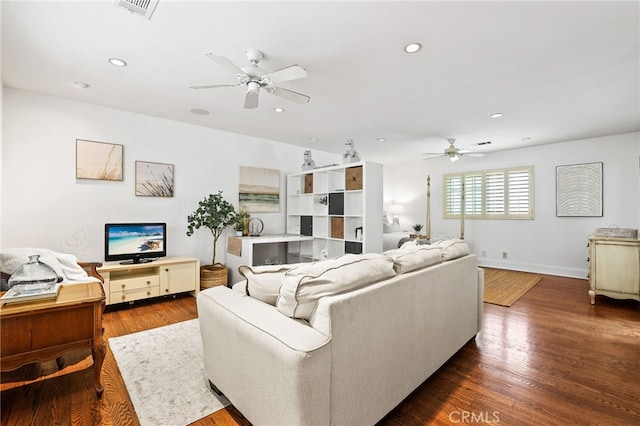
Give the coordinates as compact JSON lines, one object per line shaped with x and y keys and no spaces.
{"x":418,"y":227}
{"x":216,"y":214}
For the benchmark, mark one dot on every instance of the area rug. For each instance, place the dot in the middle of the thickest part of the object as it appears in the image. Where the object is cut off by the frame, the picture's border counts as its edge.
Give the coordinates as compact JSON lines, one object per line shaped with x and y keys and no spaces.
{"x":503,"y":287}
{"x":163,"y":371}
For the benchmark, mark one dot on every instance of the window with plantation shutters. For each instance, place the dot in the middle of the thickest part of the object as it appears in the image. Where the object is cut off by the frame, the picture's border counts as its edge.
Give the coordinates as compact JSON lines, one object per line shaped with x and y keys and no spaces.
{"x":490,"y":194}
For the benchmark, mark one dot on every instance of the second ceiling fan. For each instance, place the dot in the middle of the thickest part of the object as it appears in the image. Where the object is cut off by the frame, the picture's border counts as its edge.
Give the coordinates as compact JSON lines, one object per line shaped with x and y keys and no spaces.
{"x":452,"y":152}
{"x":255,"y":78}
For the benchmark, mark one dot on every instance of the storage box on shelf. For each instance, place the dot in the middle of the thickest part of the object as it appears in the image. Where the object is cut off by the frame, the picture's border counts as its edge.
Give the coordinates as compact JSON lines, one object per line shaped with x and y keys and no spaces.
{"x":339,"y":206}
{"x":170,"y":275}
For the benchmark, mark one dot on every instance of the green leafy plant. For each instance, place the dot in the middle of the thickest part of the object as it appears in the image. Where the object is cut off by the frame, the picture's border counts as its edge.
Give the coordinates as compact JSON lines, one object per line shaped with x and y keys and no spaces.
{"x":418,"y":227}
{"x":214,"y":213}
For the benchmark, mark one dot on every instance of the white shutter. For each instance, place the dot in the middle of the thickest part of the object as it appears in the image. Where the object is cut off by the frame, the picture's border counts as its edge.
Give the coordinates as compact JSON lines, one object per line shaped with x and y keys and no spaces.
{"x":520,"y":192}
{"x":494,"y":191}
{"x":473,"y":195}
{"x":453,"y":192}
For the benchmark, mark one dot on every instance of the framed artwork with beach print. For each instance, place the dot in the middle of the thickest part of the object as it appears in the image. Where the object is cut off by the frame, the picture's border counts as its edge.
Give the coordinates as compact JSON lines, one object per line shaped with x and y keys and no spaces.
{"x":98,"y":160}
{"x":259,"y":189}
{"x":154,"y":179}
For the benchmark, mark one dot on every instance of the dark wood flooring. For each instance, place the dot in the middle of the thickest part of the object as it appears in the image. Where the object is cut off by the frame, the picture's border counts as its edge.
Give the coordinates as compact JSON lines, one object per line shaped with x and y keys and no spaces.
{"x":550,"y":359}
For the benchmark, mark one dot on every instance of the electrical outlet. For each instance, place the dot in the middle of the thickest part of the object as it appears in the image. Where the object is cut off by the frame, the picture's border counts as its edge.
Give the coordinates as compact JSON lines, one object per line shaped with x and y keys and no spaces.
{"x":504,"y":254}
{"x":484,"y":253}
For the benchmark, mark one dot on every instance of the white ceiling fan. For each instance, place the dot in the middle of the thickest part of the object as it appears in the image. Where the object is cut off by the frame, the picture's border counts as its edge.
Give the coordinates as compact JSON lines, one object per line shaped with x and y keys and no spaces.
{"x":452,"y":152}
{"x":255,"y":78}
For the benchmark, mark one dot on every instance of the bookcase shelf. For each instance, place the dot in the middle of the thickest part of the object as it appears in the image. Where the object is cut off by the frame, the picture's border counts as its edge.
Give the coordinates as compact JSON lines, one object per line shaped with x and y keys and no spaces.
{"x":339,"y":206}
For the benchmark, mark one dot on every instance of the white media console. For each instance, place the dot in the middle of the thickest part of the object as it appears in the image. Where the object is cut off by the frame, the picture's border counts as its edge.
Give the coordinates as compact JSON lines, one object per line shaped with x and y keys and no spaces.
{"x":165,"y":276}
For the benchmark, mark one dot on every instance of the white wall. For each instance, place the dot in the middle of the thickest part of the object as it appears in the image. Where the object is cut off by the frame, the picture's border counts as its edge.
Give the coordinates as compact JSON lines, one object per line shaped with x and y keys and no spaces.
{"x":548,"y":244}
{"x":44,"y":205}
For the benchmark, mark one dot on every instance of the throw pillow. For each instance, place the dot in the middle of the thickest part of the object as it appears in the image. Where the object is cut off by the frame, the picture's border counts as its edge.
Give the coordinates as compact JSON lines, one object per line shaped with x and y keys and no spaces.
{"x":389,"y":228}
{"x":263,"y":282}
{"x":415,"y":257}
{"x":304,"y":285}
{"x":453,"y":249}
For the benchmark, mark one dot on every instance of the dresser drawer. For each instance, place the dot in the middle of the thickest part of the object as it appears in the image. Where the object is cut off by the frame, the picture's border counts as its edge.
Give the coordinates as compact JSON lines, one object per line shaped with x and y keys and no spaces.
{"x":135,"y":282}
{"x":134,"y":294}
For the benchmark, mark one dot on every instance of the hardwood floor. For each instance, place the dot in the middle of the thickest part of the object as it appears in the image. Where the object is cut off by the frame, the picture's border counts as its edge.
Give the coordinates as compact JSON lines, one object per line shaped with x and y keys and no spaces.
{"x":550,"y":359}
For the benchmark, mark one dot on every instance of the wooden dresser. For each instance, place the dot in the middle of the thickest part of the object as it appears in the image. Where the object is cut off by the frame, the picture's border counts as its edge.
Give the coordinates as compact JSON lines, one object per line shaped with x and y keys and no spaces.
{"x":38,"y":331}
{"x":614,"y":268}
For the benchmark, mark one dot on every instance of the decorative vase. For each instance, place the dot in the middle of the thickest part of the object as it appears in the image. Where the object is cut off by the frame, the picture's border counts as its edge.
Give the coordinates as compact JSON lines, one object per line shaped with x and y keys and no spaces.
{"x":245,"y":218}
{"x":34,"y":276}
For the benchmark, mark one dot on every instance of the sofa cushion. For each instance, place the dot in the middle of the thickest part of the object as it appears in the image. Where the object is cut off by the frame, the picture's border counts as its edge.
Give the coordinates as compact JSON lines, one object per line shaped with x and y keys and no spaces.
{"x":304,"y":285}
{"x":414,"y":257}
{"x":263,"y":282}
{"x":453,"y":248}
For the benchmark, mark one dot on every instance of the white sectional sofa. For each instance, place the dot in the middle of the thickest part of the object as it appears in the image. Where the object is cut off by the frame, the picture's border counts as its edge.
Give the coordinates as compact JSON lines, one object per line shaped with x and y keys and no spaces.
{"x":354,"y":352}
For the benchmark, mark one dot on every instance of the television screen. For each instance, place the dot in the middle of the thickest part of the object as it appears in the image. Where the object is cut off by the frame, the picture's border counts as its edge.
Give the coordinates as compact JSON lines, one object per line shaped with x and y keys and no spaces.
{"x":135,"y":242}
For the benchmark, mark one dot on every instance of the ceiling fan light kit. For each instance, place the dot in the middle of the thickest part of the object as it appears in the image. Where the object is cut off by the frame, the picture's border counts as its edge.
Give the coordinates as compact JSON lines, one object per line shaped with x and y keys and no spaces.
{"x":255,"y":78}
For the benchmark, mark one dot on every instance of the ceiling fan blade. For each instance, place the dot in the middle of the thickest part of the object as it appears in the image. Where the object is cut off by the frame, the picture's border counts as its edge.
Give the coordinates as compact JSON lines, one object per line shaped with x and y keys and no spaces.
{"x":463,"y":151}
{"x":213,"y":86}
{"x":475,"y":154}
{"x":430,"y":155}
{"x":292,"y":72}
{"x":221,"y":60}
{"x":251,"y":99}
{"x":289,"y":95}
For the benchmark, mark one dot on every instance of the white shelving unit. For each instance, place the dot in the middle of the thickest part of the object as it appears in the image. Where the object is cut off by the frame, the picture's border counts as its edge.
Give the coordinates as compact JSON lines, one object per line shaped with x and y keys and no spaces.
{"x":339,"y":206}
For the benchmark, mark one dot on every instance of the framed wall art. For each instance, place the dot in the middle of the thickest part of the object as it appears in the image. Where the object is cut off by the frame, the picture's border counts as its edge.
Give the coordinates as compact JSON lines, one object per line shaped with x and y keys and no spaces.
{"x":259,"y":189}
{"x":154,"y":179}
{"x":579,"y":190}
{"x":98,"y":160}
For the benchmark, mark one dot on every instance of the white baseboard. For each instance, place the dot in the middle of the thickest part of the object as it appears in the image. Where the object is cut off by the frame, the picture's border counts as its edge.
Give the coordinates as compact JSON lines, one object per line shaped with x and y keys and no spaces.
{"x":560,"y":271}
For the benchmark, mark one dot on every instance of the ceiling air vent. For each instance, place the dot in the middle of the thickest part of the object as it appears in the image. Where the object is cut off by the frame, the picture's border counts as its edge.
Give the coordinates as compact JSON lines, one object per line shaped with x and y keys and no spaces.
{"x":143,"y":8}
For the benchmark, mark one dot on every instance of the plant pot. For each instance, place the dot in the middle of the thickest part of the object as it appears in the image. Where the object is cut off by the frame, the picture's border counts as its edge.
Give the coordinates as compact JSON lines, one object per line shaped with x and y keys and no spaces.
{"x":213,"y":275}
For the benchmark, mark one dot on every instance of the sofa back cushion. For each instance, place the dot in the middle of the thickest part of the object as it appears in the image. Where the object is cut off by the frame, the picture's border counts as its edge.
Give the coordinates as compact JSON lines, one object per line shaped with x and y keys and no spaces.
{"x":263,"y":282}
{"x":304,"y":285}
{"x":414,"y":257}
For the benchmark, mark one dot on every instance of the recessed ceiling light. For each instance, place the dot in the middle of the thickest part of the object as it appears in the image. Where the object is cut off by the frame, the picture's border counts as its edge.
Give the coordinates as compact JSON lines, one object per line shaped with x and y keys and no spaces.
{"x":278,"y":109}
{"x":117,"y":62}
{"x":412,"y":47}
{"x":381,"y":139}
{"x":81,"y":84}
{"x":199,"y":111}
{"x":496,"y":115}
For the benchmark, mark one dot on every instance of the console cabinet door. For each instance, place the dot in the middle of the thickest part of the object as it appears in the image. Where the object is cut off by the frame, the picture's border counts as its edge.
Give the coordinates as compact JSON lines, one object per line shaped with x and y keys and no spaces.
{"x":177,"y":278}
{"x":617,"y":267}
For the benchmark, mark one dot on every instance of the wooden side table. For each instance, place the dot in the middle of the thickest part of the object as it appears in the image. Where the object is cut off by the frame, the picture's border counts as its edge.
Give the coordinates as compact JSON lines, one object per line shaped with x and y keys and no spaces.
{"x":39,"y":331}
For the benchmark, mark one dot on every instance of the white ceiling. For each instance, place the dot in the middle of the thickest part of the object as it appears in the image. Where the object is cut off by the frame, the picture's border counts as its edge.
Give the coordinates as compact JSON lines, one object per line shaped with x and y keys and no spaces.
{"x":558,"y":71}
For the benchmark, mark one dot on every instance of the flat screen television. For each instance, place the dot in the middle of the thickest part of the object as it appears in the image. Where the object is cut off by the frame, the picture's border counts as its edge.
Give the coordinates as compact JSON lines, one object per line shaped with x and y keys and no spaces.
{"x":134,"y":242}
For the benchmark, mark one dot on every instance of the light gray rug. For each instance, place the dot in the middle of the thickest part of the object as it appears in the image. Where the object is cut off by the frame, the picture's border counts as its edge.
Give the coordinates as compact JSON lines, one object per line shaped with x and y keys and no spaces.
{"x":164,"y":373}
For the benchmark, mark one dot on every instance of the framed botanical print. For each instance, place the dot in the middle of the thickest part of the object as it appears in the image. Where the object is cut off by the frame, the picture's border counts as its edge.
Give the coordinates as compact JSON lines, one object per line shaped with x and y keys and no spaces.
{"x":98,"y":160}
{"x":154,"y":179}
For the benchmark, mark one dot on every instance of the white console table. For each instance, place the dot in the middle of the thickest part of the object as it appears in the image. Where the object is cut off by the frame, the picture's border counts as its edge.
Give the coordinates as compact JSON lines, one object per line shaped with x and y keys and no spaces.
{"x":283,"y":248}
